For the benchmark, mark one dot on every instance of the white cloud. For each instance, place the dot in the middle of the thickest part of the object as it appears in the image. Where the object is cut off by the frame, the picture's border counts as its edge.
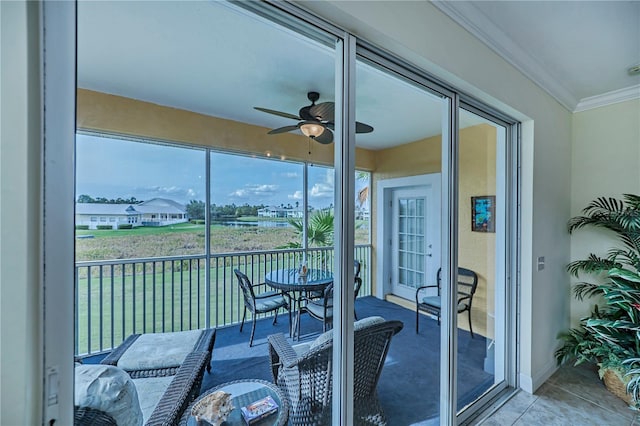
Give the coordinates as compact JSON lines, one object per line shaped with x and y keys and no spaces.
{"x":320,"y":190}
{"x":295,"y":196}
{"x":254,"y":191}
{"x":169,"y":190}
{"x":324,"y":188}
{"x":290,"y":175}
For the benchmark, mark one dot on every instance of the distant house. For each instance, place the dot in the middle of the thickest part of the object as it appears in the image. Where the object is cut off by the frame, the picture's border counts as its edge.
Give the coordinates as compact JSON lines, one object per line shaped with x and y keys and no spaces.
{"x":162,"y":212}
{"x":154,"y":212}
{"x":280,"y":212}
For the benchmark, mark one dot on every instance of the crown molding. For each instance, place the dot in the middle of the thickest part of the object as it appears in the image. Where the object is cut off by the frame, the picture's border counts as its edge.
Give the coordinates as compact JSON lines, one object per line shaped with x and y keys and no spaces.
{"x":467,"y":15}
{"x":613,"y":97}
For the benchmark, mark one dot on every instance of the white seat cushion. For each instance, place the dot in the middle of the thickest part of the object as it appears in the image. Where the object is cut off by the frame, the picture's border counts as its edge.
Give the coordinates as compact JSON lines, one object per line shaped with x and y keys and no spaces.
{"x":358,"y":325}
{"x":109,"y":389}
{"x":159,"y":350}
{"x":150,"y":390}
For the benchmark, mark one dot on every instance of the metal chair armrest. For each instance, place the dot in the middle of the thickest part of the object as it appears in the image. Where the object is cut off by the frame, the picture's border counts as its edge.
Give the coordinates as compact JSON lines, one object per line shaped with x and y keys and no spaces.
{"x":460,"y":299}
{"x":419,"y":289}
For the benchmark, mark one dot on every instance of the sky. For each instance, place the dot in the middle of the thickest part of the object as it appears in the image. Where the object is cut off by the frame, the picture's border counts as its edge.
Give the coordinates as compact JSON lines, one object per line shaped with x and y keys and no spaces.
{"x":113,"y":168}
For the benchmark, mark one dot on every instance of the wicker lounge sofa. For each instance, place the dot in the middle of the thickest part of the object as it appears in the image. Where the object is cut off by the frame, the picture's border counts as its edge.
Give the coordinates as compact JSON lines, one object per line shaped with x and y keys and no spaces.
{"x":130,"y":389}
{"x":304,"y":373}
{"x":160,"y":354}
{"x":161,"y":400}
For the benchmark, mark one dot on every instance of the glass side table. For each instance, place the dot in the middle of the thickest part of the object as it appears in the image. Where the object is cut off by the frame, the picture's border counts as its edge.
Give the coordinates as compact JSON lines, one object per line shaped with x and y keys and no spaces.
{"x":244,"y":392}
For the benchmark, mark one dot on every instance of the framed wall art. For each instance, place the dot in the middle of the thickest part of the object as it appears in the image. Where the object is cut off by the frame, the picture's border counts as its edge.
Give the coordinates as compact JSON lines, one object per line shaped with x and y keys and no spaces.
{"x":483,"y":213}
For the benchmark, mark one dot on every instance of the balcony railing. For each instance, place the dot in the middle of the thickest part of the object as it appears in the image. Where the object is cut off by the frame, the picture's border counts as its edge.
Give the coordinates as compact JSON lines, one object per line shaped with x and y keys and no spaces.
{"x":115,"y":298}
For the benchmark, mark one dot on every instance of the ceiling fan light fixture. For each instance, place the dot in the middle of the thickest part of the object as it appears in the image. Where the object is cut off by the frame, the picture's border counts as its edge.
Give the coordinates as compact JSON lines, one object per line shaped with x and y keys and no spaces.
{"x":311,"y":129}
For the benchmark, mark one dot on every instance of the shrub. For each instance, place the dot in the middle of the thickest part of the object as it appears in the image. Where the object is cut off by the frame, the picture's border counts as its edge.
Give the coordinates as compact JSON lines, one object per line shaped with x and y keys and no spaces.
{"x":125,"y":226}
{"x":82,"y":227}
{"x":104,"y":227}
{"x":610,"y":336}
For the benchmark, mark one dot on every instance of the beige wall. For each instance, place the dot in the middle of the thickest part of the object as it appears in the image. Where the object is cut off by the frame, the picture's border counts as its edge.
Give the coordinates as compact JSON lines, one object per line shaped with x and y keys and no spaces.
{"x":477,"y":177}
{"x":416,"y":33}
{"x":21,"y":351}
{"x":605,"y":163}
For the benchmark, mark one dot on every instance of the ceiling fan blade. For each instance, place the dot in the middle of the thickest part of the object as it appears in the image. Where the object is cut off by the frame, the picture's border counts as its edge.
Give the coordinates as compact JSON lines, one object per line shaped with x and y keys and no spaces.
{"x":360,"y":127}
{"x":325,"y":137}
{"x":324,"y":111}
{"x":279,"y":113}
{"x":282,"y":129}
{"x":363,"y":128}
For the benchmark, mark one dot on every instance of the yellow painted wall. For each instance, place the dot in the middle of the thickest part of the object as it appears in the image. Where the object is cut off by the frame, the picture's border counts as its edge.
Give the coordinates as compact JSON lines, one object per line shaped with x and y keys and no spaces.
{"x":106,"y":113}
{"x":477,"y":250}
{"x":477,"y":177}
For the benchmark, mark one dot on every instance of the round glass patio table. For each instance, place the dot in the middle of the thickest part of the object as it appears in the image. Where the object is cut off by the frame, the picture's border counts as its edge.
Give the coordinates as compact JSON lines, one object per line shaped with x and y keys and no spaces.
{"x":243,"y":393}
{"x":291,"y":280}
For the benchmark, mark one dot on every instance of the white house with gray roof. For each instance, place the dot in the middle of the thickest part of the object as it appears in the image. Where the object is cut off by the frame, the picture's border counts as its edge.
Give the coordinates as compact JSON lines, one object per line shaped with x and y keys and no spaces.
{"x":154,"y":212}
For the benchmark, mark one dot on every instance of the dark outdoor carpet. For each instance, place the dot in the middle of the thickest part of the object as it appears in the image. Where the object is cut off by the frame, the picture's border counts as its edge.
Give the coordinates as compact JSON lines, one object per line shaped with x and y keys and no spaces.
{"x":409,"y":385}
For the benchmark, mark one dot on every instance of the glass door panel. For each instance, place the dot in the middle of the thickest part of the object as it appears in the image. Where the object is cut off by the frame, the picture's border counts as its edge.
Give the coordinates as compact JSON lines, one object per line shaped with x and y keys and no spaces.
{"x":272,"y":192}
{"x":481,"y":244}
{"x":404,"y":156}
{"x":408,"y":222}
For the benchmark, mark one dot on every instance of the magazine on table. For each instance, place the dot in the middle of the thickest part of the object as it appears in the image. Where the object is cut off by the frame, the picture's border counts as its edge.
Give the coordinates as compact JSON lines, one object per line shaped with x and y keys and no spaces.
{"x":259,"y":409}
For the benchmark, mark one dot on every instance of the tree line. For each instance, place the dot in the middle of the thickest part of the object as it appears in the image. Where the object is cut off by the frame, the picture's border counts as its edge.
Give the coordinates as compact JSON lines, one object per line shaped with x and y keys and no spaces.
{"x":195,"y":208}
{"x":84,"y":198}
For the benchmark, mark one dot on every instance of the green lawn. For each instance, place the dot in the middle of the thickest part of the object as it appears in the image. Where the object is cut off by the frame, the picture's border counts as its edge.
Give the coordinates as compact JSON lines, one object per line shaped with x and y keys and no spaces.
{"x":172,"y":301}
{"x":176,"y":302}
{"x":143,"y":230}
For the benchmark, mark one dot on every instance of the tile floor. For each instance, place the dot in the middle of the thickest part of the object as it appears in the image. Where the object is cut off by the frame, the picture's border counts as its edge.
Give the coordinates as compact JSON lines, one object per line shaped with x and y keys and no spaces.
{"x":572,"y":396}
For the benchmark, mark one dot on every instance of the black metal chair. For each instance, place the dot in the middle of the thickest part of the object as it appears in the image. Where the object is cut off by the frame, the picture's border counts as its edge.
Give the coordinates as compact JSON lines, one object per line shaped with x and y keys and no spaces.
{"x":467,"y":285}
{"x":322,"y":308}
{"x":262,"y":303}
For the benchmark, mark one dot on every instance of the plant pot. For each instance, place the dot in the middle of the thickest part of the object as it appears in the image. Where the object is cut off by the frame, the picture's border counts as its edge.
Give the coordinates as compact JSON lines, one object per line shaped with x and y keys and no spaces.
{"x":616,"y":385}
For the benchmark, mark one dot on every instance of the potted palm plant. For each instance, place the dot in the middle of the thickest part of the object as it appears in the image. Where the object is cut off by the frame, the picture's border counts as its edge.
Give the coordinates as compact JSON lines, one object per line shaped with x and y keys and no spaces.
{"x":610,"y":336}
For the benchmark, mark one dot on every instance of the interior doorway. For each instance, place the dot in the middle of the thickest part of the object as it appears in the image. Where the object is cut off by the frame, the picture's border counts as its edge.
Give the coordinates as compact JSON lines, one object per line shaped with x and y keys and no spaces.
{"x":410,"y":248}
{"x":409,"y":238}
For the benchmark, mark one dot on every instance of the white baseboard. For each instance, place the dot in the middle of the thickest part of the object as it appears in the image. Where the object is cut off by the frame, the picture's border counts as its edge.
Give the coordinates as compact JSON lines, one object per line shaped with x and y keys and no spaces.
{"x":531,"y":384}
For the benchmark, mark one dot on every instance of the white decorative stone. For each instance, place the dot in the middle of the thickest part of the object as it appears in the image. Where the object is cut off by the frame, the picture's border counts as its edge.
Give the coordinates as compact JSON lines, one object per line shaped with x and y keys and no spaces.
{"x":213,"y":408}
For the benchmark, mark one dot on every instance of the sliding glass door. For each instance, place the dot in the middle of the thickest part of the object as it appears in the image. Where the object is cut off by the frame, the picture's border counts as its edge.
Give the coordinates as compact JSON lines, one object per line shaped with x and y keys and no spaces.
{"x":312,"y":149}
{"x":483,"y":289}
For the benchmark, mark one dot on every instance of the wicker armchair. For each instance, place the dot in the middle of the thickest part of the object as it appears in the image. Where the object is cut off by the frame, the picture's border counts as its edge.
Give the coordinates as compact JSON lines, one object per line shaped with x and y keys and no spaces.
{"x":304,"y":373}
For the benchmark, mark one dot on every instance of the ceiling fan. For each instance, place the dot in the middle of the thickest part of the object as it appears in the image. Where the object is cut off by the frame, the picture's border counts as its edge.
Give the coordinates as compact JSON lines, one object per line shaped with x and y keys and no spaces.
{"x":315,"y":121}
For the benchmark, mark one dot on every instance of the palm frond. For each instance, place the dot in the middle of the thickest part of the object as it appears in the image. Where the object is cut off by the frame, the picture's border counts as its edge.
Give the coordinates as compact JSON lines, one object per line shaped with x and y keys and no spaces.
{"x":622,"y":257}
{"x":603,"y":205}
{"x":583,"y":289}
{"x":592,"y":265}
{"x":632,"y":200}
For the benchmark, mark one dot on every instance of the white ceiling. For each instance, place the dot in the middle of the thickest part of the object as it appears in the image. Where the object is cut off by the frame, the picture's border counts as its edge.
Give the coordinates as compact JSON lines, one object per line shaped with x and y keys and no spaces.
{"x":213,"y":58}
{"x":575,"y":50}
